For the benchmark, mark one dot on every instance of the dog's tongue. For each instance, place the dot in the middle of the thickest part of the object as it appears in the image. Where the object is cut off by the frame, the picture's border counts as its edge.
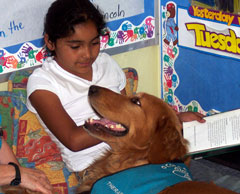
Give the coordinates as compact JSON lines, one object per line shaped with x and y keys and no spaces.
{"x":107,"y":123}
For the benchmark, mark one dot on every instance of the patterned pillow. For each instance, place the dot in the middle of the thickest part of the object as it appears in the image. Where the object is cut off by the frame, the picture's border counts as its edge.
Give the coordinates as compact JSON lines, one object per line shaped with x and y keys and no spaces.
{"x":30,"y":143}
{"x":132,"y":80}
{"x":7,"y":114}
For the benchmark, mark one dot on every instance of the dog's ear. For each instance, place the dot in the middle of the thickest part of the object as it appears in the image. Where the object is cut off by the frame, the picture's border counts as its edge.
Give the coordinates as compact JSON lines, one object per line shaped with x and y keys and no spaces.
{"x":167,"y":143}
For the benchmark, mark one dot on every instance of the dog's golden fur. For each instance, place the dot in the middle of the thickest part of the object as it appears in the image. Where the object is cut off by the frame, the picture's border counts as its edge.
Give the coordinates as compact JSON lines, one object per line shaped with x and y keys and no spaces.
{"x":16,"y":190}
{"x":153,"y":137}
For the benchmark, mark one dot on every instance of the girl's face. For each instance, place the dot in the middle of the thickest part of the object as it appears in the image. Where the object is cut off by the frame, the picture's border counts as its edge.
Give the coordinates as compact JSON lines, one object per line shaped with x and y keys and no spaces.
{"x":77,"y":52}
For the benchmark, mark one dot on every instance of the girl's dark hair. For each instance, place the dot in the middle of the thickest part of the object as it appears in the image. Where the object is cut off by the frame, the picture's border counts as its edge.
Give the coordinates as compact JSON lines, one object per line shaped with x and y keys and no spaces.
{"x":63,"y":15}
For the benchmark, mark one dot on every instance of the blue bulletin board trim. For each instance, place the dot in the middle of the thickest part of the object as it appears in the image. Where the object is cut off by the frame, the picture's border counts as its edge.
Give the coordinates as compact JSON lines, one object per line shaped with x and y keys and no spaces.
{"x":13,"y":49}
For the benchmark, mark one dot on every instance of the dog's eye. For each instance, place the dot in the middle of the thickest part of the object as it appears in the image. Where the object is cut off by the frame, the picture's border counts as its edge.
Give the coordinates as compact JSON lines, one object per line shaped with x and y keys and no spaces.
{"x":136,"y":101}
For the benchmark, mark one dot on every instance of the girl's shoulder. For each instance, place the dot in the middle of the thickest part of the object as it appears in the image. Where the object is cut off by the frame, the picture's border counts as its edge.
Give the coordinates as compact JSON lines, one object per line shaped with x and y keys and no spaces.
{"x":46,"y":73}
{"x":106,"y":59}
{"x":46,"y":68}
{"x":103,"y":56}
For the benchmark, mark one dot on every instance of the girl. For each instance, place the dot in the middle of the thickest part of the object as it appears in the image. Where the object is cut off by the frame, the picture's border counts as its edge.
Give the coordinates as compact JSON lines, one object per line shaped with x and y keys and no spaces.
{"x":58,"y":91}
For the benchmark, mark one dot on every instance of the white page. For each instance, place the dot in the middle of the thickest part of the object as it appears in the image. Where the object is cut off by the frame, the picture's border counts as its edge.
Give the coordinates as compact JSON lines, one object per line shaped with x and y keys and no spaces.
{"x":218,"y":131}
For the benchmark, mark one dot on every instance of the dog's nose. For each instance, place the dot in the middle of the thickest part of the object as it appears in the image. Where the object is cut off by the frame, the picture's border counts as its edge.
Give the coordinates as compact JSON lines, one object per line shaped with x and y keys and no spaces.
{"x":92,"y":90}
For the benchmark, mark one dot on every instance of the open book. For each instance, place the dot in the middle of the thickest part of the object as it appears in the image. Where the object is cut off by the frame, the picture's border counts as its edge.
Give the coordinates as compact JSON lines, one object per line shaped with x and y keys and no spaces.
{"x":220,"y":131}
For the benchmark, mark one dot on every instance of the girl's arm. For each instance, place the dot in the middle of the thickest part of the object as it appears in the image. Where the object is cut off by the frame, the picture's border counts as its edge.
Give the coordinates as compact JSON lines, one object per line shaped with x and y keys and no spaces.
{"x":59,"y":122}
{"x":191,"y":116}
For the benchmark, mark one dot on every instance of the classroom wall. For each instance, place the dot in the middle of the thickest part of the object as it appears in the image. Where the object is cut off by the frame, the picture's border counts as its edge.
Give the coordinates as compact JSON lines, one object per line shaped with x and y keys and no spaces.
{"x":146,"y":62}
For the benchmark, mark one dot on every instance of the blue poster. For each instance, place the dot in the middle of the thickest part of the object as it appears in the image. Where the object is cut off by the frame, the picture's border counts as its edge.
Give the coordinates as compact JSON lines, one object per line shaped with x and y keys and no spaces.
{"x":200,"y":49}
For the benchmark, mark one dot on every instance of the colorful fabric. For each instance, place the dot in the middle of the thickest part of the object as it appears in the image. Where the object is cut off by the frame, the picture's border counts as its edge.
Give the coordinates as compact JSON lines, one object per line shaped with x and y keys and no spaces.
{"x":150,"y":179}
{"x":30,"y":143}
{"x":6,"y":112}
{"x":0,"y":142}
{"x":132,"y":80}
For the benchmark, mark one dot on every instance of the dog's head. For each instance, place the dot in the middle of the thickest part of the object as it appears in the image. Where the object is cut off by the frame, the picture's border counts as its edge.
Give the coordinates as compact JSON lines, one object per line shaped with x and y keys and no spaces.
{"x":146,"y":124}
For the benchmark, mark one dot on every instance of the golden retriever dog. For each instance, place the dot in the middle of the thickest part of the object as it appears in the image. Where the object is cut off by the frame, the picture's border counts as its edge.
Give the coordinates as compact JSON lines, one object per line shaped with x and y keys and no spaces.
{"x":148,"y":138}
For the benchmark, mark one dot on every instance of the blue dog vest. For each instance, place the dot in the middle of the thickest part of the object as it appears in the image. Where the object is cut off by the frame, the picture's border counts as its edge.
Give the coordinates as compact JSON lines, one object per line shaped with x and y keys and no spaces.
{"x":150,"y":179}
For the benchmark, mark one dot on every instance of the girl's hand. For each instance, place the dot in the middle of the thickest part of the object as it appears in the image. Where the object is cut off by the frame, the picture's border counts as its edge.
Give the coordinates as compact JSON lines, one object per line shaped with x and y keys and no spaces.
{"x":191,"y":116}
{"x":35,"y":180}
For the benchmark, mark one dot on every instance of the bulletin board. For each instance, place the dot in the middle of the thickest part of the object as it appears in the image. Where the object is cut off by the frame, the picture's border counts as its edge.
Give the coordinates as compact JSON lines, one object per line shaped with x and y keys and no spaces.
{"x":200,"y":55}
{"x":21,"y":32}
